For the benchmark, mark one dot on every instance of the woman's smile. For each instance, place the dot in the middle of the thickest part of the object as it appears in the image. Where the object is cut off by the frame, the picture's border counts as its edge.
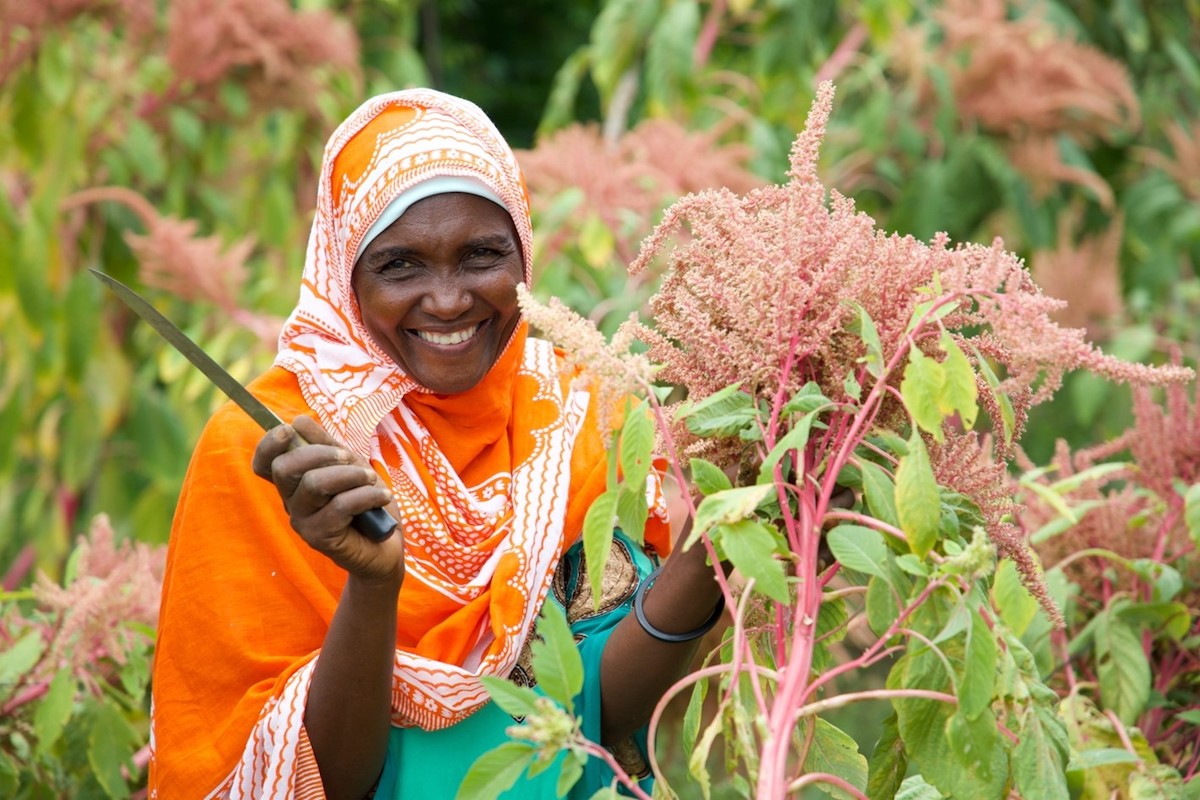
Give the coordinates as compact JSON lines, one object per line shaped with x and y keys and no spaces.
{"x":448,"y":339}
{"x":437,"y":289}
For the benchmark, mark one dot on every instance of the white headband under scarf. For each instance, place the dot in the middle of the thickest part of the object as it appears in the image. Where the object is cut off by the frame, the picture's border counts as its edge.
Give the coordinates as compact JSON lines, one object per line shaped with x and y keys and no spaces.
{"x":441,"y":184}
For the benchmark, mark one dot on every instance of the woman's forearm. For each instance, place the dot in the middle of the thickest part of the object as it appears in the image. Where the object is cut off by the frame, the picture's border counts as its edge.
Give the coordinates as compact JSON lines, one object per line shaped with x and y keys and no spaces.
{"x":637,"y":668}
{"x":348,"y":715}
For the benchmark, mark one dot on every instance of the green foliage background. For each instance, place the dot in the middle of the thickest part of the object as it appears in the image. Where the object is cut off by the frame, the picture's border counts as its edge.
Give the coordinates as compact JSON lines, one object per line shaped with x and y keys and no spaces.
{"x":98,"y":415}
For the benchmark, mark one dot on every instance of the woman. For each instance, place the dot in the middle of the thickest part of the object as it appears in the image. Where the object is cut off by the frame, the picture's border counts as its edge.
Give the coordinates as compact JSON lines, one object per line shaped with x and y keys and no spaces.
{"x":298,"y":658}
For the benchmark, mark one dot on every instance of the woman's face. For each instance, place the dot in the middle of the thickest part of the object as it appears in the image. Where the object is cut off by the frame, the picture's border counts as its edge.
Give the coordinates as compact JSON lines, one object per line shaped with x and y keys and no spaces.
{"x":437,"y":289}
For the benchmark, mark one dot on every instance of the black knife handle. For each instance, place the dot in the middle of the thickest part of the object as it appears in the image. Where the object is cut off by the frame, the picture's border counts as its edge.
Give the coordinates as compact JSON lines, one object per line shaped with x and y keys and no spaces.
{"x":376,"y":524}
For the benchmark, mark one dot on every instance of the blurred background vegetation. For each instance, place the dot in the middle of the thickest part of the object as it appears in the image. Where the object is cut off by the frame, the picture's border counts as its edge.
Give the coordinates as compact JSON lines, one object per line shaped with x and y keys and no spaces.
{"x":174,"y":144}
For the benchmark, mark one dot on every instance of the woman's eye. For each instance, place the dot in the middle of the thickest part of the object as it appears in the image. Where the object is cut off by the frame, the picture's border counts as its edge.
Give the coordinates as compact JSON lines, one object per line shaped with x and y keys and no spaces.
{"x":484,"y":257}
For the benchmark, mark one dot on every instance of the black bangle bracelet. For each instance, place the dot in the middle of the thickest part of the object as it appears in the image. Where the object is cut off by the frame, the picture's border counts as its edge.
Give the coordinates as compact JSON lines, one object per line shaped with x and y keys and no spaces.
{"x":671,"y":637}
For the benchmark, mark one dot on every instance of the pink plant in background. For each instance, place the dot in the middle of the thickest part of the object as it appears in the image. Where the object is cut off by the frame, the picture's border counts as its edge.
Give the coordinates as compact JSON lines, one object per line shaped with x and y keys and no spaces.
{"x":194,"y":268}
{"x":1115,"y":530}
{"x":25,"y":23}
{"x":1085,"y":273}
{"x":625,"y":183}
{"x":1023,"y":80}
{"x":1183,"y":165}
{"x":114,"y":584}
{"x":105,"y":613}
{"x":265,"y":45}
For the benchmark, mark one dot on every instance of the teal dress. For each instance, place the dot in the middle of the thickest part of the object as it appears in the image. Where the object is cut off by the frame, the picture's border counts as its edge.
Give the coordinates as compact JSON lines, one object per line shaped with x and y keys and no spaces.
{"x":425,"y":764}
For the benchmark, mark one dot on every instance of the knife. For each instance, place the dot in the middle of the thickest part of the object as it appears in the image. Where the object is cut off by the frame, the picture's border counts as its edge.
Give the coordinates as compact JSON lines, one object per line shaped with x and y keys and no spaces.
{"x":376,"y":524}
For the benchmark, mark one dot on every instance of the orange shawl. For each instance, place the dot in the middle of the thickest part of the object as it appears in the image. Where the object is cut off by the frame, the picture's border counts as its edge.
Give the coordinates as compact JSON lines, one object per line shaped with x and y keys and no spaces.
{"x":492,"y":486}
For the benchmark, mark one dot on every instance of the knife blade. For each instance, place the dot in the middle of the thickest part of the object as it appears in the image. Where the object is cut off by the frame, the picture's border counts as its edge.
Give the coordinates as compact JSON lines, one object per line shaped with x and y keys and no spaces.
{"x":376,"y":524}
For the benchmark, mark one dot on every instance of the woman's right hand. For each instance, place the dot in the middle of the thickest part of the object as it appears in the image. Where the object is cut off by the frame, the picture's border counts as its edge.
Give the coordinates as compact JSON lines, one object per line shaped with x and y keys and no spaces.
{"x":323,"y":485}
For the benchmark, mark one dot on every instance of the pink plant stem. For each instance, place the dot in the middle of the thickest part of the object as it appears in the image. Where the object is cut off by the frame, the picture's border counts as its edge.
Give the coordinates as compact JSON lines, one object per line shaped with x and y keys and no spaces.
{"x":829,"y":704}
{"x":1119,"y":727}
{"x":27,"y":695}
{"x":879,"y":645}
{"x":868,"y":522}
{"x":829,"y":575}
{"x":708,"y":34}
{"x":842,"y":55}
{"x":19,"y":569}
{"x":743,"y":653}
{"x":1164,"y":530}
{"x":825,"y":777}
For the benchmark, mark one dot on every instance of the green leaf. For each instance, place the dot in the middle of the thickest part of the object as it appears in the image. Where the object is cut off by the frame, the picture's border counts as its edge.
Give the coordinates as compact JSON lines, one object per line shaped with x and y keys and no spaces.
{"x":632,"y":511}
{"x":752,"y":547}
{"x":1190,"y":717}
{"x":911,"y":564}
{"x":1038,"y":760}
{"x":708,"y":477}
{"x":879,"y":492}
{"x":19,"y":658}
{"x":595,"y":241}
{"x":864,"y":327}
{"x":922,"y":387}
{"x":888,"y":764}
{"x":691,"y":717}
{"x":1008,"y":419}
{"x":1191,"y":513}
{"x":597,"y":538}
{"x":637,"y":442}
{"x":727,"y":507}
{"x":516,"y":701}
{"x":852,"y":386}
{"x":835,"y":752}
{"x":1122,"y":668}
{"x":556,"y":660}
{"x":722,"y":414}
{"x":10,"y":778}
{"x":698,"y":756}
{"x":669,"y":54}
{"x":1167,"y":620}
{"x":1017,"y":607}
{"x":808,"y":398}
{"x":960,"y":393}
{"x":53,"y":711}
{"x":111,"y":742}
{"x":794,"y":439}
{"x":859,"y":548}
{"x":1102,"y":757}
{"x":918,"y":501}
{"x":572,"y":771}
{"x":882,"y":610}
{"x":915,"y":788}
{"x":495,"y":772}
{"x":560,"y":103}
{"x":975,"y":687}
{"x":961,"y":758}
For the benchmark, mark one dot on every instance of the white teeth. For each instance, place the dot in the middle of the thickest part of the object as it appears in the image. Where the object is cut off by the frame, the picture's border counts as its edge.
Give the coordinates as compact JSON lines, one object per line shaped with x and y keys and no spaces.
{"x":457,"y":337}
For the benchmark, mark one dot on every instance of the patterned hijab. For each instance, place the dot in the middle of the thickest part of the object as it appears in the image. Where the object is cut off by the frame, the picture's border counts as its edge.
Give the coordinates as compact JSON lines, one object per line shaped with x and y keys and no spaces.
{"x":484,"y":480}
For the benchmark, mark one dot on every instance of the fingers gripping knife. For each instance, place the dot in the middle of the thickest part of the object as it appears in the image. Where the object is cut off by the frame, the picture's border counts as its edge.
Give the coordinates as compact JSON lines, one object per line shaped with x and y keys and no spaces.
{"x":376,"y":524}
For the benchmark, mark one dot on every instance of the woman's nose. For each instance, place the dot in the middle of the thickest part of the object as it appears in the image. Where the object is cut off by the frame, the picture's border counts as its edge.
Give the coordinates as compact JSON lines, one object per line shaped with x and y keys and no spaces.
{"x":448,"y":297}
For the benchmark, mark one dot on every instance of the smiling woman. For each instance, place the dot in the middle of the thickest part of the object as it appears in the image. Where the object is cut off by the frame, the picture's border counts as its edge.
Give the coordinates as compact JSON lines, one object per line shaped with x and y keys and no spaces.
{"x":297,"y":658}
{"x":437,"y":289}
